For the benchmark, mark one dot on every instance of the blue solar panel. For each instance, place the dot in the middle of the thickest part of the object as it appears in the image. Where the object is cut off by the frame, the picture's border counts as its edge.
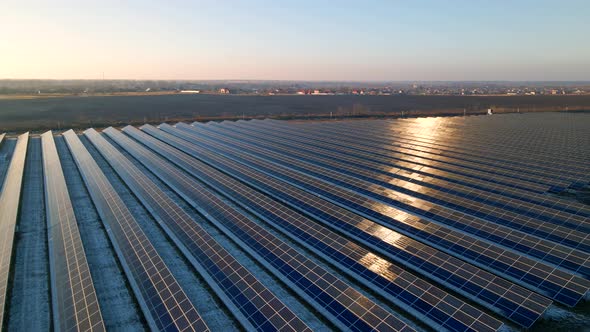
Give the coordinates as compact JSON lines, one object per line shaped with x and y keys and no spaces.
{"x":75,"y":305}
{"x":9,"y":203}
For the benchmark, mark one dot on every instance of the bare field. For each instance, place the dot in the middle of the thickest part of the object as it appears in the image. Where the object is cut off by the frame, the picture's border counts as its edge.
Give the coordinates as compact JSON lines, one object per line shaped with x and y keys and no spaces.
{"x":37,"y":114}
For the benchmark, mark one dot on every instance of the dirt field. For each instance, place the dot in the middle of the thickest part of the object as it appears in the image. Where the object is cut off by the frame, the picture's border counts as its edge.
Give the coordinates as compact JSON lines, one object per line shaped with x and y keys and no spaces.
{"x":37,"y":114}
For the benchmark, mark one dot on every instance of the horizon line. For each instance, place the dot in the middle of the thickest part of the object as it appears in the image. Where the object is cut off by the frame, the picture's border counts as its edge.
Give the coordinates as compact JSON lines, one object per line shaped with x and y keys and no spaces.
{"x":286,"y":80}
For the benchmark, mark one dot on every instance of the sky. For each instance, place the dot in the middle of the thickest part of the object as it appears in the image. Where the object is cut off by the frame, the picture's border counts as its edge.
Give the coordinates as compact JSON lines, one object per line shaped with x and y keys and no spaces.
{"x":368,"y":40}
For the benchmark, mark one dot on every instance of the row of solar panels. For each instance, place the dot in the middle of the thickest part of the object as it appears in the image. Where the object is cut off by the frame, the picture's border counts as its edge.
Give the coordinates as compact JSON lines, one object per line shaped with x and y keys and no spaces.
{"x":318,"y":195}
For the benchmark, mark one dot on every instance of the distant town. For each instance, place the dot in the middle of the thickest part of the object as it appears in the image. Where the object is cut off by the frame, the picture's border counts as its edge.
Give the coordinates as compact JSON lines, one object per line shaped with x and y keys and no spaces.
{"x":9,"y":87}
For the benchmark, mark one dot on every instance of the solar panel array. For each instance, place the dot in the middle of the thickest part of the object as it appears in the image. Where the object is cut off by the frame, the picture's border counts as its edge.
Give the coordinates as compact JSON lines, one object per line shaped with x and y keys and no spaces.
{"x":349,"y":193}
{"x":9,"y":204}
{"x":75,"y":305}
{"x":450,"y":224}
{"x":259,"y":308}
{"x":455,"y":274}
{"x":163,"y":301}
{"x":340,"y":303}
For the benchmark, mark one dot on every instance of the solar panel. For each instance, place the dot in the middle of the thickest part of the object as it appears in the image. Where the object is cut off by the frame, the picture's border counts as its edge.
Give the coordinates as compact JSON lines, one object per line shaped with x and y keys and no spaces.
{"x":335,"y":299}
{"x":457,"y":275}
{"x":9,"y":202}
{"x":245,"y":296}
{"x":162,"y":300}
{"x":75,"y":305}
{"x":561,"y":286}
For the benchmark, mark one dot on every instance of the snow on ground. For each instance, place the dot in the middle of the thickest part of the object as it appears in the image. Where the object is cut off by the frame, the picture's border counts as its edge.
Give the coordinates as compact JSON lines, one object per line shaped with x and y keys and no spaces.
{"x":560,"y":319}
{"x":29,"y":302}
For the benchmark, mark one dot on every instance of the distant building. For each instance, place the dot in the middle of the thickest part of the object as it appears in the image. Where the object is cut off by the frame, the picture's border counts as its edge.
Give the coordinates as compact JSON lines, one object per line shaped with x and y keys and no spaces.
{"x":190,"y":91}
{"x":224,"y":91}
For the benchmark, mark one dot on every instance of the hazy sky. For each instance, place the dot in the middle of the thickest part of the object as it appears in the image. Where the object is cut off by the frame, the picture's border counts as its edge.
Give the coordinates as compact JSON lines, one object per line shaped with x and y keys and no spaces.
{"x":296,"y":40}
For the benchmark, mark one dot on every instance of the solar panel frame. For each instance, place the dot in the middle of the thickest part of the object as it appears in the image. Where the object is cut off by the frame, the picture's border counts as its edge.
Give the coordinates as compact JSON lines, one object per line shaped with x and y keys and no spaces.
{"x":9,"y":205}
{"x":528,"y":162}
{"x":74,"y":301}
{"x":162,"y":300}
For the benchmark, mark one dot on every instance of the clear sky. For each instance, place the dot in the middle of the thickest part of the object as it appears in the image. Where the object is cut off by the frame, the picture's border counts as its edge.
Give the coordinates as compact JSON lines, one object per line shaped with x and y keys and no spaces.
{"x":296,"y":40}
